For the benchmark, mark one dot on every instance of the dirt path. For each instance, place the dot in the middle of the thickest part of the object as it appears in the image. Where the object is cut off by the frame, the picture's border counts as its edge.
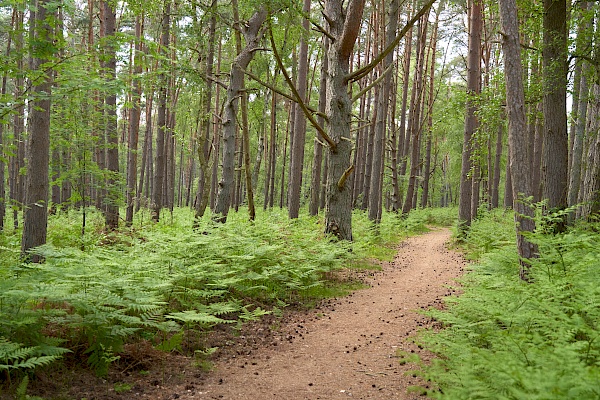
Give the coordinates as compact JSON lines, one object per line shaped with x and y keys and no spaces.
{"x":349,"y":347}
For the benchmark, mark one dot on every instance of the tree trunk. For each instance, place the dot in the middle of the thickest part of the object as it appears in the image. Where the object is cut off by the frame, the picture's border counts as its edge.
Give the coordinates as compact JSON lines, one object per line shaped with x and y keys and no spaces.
{"x":134,"y":123}
{"x":203,"y":145}
{"x":556,"y":142}
{"x":35,"y":217}
{"x":375,"y":197}
{"x":580,"y":123}
{"x":161,"y":150}
{"x":519,"y":159}
{"x":344,"y":27}
{"x":471,"y":124}
{"x":591,"y":183}
{"x":496,"y":180}
{"x":414,"y":120}
{"x":111,"y":201}
{"x":299,"y":131}
{"x":315,"y":188}
{"x":146,"y":154}
{"x":253,"y":36}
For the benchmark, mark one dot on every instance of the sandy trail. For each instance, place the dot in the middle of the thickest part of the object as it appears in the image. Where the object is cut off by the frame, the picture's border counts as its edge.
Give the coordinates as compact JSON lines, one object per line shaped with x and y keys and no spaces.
{"x":347,"y":348}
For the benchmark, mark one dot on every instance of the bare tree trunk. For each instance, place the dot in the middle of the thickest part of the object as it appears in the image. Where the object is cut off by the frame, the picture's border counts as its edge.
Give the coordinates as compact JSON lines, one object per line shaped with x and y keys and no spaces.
{"x":519,"y":159}
{"x":591,"y":183}
{"x":253,"y":35}
{"x":577,"y":153}
{"x":473,"y":88}
{"x":315,"y":188}
{"x":415,"y":126}
{"x":146,"y":154}
{"x":203,"y":145}
{"x":299,"y":131}
{"x":556,"y":142}
{"x":35,"y":217}
{"x":496,"y":180}
{"x":375,"y":198}
{"x":16,"y":161}
{"x":134,"y":123}
{"x":344,"y":27}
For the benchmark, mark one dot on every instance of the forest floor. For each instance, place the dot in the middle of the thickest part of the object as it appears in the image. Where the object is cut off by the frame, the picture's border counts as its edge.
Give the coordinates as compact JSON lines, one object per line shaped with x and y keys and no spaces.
{"x":348,"y":347}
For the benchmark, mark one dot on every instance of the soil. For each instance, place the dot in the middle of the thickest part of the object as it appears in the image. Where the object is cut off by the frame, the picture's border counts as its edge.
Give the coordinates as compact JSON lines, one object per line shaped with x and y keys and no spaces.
{"x":350,"y":347}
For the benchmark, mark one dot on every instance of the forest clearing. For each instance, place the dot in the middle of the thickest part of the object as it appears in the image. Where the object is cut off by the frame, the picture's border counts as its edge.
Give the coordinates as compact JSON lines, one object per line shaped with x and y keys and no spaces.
{"x":182,"y":180}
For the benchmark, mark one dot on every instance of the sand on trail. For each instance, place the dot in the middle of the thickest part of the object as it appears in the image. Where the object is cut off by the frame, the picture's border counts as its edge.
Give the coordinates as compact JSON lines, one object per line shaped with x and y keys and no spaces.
{"x":347,"y":348}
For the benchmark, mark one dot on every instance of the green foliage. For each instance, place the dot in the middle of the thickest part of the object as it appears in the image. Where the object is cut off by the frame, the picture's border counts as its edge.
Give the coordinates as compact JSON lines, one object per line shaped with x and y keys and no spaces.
{"x":130,"y":286}
{"x":507,"y":339}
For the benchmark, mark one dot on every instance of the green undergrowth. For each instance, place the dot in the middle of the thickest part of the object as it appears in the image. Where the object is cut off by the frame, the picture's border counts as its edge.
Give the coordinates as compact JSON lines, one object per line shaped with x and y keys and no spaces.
{"x":98,"y":291}
{"x":507,"y":339}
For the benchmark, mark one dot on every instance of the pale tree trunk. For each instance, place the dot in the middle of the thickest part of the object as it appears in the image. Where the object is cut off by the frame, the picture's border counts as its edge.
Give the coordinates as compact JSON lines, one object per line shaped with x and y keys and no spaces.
{"x":134,"y":122}
{"x":375,"y":197}
{"x":519,"y":159}
{"x":556,"y":142}
{"x":253,"y":36}
{"x":299,"y":131}
{"x":35,"y":217}
{"x":473,"y":88}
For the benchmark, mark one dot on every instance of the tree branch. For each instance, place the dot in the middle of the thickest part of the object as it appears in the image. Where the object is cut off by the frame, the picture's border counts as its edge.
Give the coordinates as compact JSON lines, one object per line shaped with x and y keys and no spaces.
{"x":373,"y":84}
{"x":299,"y":100}
{"x":359,"y":73}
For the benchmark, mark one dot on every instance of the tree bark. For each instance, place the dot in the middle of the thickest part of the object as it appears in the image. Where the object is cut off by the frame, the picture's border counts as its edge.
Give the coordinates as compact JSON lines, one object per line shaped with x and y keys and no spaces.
{"x":315,"y":188}
{"x":556,"y":142}
{"x":299,"y":131}
{"x":35,"y":217}
{"x":473,"y":88}
{"x":519,"y":159}
{"x":344,"y":26}
{"x":375,"y":198}
{"x":253,"y":35}
{"x":134,"y":123}
{"x":161,"y":149}
{"x":111,"y":201}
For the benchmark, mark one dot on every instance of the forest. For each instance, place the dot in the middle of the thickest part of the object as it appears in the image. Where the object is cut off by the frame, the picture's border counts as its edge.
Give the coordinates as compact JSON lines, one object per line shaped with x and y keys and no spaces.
{"x":170,"y":168}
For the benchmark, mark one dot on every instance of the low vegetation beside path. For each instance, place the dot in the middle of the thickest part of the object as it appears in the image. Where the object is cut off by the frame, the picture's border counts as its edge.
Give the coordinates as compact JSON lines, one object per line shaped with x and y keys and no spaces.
{"x":505,"y":338}
{"x":160,"y":282}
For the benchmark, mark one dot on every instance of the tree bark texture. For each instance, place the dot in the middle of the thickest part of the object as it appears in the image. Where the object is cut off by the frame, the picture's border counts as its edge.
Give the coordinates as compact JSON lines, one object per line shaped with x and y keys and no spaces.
{"x":519,"y":159}
{"x":344,"y":25}
{"x":556,"y":142}
{"x":35,"y":217}
{"x":473,"y":88}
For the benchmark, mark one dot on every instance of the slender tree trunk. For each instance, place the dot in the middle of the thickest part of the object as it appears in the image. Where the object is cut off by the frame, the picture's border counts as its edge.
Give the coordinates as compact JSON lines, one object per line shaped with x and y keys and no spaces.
{"x":299,"y":131}
{"x":253,"y":36}
{"x":35,"y":217}
{"x":375,"y":197}
{"x":415,"y":126}
{"x":577,"y":153}
{"x":134,"y":123}
{"x":315,"y":188}
{"x":496,"y":181}
{"x":203,"y":146}
{"x":473,"y":88}
{"x":146,"y":154}
{"x":161,"y":151}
